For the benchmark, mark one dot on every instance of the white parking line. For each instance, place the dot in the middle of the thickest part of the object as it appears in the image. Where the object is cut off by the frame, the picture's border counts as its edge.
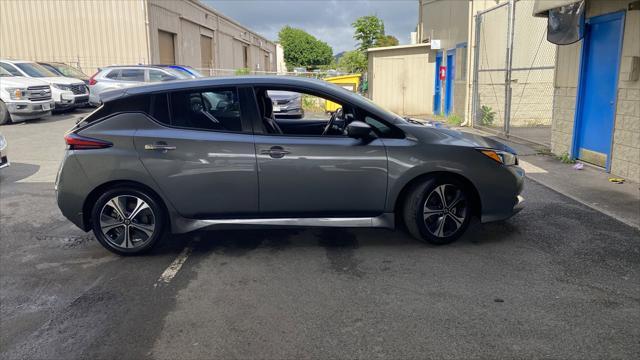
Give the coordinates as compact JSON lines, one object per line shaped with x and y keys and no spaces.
{"x":529,"y":168}
{"x":171,"y":271}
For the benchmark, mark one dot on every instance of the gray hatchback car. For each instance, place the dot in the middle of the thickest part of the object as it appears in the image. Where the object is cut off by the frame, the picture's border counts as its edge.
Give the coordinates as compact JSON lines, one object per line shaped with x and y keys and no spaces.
{"x":184,"y":155}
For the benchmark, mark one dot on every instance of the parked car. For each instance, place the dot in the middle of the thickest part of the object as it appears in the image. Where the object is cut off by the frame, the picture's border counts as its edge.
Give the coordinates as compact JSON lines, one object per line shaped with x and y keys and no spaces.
{"x":115,"y":77}
{"x":286,"y":103}
{"x":66,"y":92}
{"x":23,"y":98}
{"x":62,"y":69}
{"x":159,"y":158}
{"x":4,"y":159}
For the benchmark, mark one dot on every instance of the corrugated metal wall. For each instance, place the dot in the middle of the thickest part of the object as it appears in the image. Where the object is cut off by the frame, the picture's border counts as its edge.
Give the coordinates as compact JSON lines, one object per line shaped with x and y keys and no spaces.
{"x":402,"y":79}
{"x":88,"y":34}
{"x":189,"y":19}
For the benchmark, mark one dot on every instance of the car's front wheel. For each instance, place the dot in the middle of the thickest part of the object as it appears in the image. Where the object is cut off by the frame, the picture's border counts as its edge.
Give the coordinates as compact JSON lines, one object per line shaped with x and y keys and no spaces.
{"x":5,"y":117}
{"x":438,"y":210}
{"x":127,"y":221}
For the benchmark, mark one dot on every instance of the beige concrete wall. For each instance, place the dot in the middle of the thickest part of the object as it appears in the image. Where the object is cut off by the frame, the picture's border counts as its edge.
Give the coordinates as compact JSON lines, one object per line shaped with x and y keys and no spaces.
{"x":190,"y":18}
{"x":402,"y":79}
{"x":625,"y":155}
{"x":88,"y":34}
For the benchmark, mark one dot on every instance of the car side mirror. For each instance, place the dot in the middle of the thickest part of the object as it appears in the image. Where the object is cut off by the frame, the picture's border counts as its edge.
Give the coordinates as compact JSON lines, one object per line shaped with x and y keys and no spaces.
{"x":359,"y":130}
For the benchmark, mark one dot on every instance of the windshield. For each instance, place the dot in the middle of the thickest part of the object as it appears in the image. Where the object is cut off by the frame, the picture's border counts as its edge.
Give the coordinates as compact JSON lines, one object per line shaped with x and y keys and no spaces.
{"x":35,"y":70}
{"x":4,"y":73}
{"x":70,"y":71}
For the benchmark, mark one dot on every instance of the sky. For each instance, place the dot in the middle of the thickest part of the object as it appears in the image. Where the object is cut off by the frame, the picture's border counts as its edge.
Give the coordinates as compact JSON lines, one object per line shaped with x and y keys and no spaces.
{"x":328,"y":20}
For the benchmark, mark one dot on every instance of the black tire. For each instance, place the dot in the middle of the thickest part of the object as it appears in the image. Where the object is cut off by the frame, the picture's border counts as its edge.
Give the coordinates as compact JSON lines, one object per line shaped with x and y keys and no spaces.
{"x":5,"y":117}
{"x":422,"y":226}
{"x":128,"y":195}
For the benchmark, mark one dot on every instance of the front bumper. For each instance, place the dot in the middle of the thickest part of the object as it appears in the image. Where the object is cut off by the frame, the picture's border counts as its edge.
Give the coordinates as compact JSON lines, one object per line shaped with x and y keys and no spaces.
{"x":25,"y":110}
{"x":69,"y":100}
{"x":4,"y":159}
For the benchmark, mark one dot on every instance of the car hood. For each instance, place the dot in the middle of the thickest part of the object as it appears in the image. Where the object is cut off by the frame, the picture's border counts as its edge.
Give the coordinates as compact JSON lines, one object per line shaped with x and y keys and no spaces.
{"x":61,"y":80}
{"x":19,"y":81}
{"x":439,"y":134}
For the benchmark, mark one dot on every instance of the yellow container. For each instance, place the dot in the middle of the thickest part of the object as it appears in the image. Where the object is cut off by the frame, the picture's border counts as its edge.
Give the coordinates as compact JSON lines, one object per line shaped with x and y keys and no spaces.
{"x":349,"y":82}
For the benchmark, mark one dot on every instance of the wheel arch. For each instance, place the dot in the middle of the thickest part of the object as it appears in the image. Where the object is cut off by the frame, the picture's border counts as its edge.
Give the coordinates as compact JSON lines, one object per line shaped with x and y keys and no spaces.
{"x":476,"y":207}
{"x":100,"y":189}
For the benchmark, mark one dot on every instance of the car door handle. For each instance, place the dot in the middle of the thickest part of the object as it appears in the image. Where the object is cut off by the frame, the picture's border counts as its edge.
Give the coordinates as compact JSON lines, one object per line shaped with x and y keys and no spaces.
{"x":275,"y":152}
{"x":159,"y":146}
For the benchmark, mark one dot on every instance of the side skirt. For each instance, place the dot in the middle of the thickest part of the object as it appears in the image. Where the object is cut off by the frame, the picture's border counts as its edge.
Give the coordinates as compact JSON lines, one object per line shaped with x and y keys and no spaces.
{"x":183,"y":225}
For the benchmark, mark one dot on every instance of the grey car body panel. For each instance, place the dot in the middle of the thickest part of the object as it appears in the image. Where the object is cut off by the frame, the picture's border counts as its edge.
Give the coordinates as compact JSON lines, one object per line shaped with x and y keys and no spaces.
{"x":333,"y":174}
{"x":223,"y":179}
{"x":219,"y":167}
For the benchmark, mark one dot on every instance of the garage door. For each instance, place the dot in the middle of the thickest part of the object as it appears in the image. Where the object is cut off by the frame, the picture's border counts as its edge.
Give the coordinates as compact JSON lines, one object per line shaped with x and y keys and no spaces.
{"x":167,"y":47}
{"x":388,"y":90}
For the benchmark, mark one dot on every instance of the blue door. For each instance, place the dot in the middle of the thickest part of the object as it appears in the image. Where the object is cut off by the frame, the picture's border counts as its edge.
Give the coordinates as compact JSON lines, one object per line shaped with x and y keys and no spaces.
{"x":598,"y":87}
{"x":437,"y":91}
{"x":448,"y":86}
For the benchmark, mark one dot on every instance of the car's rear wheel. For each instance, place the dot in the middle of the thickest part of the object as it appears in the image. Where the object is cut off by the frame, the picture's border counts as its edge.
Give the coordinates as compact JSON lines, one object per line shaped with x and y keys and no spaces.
{"x":438,"y":210}
{"x":127,"y":221}
{"x":5,"y":117}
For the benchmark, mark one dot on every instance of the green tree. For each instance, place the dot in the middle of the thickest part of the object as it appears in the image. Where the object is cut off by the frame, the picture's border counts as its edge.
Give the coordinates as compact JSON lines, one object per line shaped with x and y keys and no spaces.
{"x":303,"y":49}
{"x":368,"y":29}
{"x":353,"y":62}
{"x":387,"y":40}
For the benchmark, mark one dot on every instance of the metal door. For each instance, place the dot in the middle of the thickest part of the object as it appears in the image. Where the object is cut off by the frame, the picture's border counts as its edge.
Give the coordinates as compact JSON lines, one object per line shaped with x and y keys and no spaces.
{"x":167,"y":47}
{"x":206,"y":54}
{"x":437,"y":91}
{"x":448,"y":91}
{"x":598,"y":88}
{"x":321,"y":175}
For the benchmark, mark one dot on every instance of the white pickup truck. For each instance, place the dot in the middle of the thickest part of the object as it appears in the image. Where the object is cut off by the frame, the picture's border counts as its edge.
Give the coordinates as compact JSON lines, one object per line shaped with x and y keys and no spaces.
{"x":23,"y":98}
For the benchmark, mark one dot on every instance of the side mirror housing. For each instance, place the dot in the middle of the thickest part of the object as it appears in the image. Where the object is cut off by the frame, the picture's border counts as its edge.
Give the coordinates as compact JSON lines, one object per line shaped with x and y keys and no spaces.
{"x":359,"y":130}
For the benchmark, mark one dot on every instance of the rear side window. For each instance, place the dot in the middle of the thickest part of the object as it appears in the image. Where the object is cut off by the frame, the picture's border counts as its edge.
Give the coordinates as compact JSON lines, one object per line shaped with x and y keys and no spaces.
{"x":211,"y":109}
{"x":132,"y":75}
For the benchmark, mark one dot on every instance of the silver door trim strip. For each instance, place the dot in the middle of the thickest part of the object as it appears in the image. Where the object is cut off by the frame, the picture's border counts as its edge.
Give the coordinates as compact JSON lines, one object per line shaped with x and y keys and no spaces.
{"x":386,"y":220}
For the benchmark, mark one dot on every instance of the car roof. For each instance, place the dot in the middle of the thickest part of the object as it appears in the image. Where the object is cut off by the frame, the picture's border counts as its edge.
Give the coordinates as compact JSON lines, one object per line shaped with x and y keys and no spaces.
{"x":132,"y":66}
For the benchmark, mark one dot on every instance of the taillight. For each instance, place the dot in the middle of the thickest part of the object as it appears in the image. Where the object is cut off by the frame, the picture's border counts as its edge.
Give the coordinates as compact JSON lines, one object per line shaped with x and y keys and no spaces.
{"x":77,"y":142}
{"x":92,"y":80}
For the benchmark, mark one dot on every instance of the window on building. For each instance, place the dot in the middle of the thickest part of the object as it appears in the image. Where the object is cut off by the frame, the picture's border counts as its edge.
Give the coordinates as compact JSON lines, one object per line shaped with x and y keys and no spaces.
{"x":245,"y":56}
{"x":215,"y":109}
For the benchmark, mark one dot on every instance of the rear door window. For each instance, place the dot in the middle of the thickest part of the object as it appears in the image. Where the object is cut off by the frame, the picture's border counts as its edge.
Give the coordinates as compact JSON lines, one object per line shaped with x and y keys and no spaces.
{"x":157,"y":75}
{"x":210,"y":109}
{"x":132,"y":75}
{"x":113,"y":74}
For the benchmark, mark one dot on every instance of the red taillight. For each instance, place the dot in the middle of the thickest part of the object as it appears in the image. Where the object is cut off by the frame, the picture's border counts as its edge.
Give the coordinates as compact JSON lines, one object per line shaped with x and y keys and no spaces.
{"x":92,"y":80}
{"x":77,"y":142}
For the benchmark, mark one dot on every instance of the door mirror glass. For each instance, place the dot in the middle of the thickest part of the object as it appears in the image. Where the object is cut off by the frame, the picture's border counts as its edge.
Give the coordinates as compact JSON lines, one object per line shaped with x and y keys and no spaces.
{"x":359,"y":130}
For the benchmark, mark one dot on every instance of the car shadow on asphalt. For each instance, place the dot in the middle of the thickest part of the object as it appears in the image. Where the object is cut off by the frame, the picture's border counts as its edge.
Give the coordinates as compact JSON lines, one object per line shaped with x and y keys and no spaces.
{"x":16,"y":172}
{"x":240,"y":242}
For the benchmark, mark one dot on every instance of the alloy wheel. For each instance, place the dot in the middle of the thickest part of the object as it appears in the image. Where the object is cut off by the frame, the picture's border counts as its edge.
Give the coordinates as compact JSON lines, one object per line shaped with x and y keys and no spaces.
{"x":445,"y":210}
{"x":127,"y":222}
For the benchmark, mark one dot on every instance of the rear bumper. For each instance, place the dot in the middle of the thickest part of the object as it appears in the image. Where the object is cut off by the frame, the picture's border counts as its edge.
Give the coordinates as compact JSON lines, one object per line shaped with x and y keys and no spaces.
{"x":71,"y":188}
{"x":289,"y":112}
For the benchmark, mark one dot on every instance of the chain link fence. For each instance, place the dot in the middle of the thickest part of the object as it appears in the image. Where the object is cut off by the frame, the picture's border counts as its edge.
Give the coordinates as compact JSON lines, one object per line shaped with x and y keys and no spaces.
{"x":513,"y":73}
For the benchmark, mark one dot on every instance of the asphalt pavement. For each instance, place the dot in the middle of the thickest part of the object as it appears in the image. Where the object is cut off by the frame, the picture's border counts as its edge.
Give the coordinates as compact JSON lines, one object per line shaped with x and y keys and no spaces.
{"x":559,"y":280}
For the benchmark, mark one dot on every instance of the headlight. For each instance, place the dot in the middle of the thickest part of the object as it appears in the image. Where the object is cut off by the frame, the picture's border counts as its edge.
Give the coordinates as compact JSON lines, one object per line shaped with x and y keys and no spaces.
{"x":17,"y":93}
{"x":61,"y":86}
{"x":503,"y":157}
